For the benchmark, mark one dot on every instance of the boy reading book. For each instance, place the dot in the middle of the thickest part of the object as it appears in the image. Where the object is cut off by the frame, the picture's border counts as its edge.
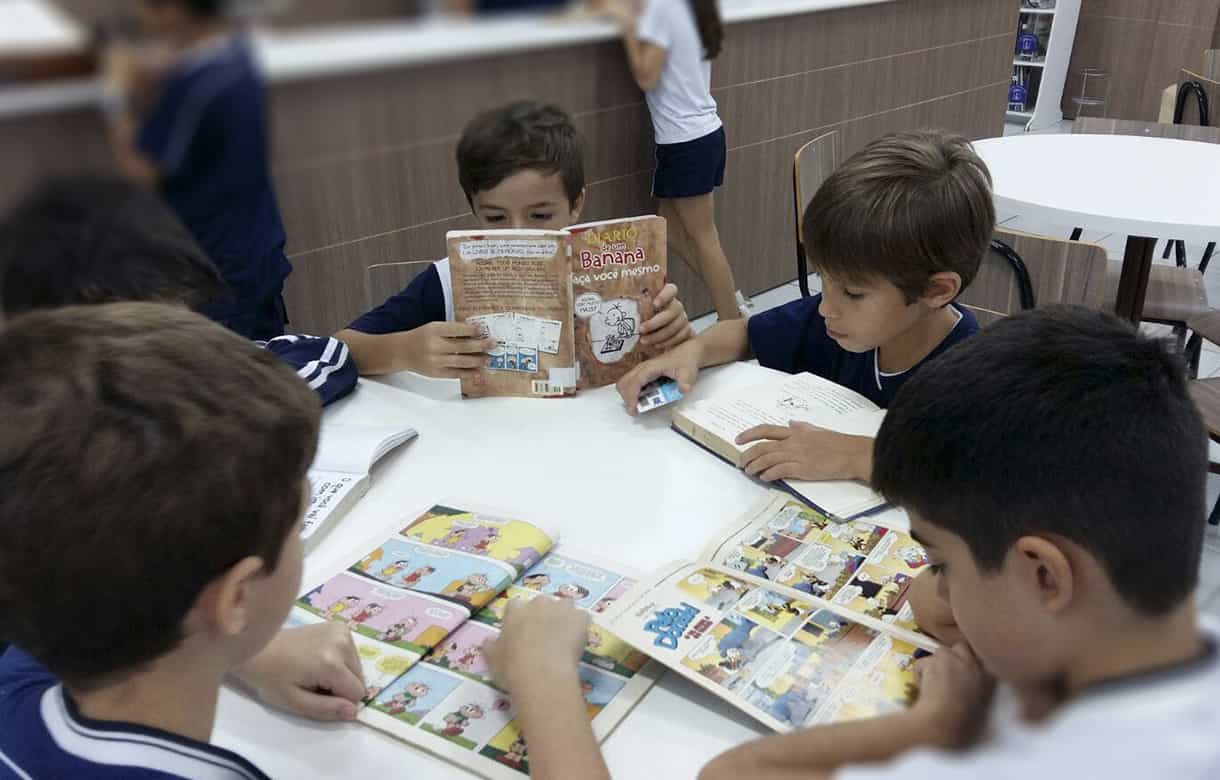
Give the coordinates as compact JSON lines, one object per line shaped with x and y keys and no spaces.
{"x":96,"y":240}
{"x":1054,"y":469}
{"x":895,"y":233}
{"x":521,"y":166}
{"x":137,"y":572}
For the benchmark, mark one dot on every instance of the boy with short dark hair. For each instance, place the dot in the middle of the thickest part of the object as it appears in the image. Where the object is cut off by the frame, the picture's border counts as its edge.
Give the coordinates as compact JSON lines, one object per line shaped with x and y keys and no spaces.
{"x":1054,"y":468}
{"x":521,"y":166}
{"x":92,"y":239}
{"x":896,"y":233}
{"x":196,"y":129}
{"x":134,"y":573}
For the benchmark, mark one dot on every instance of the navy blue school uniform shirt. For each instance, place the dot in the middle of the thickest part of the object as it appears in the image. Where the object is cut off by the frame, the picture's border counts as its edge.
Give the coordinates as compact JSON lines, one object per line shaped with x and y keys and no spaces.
{"x":325,"y":364}
{"x":44,"y":735}
{"x":427,"y":298}
{"x":207,"y":135}
{"x":793,"y":338}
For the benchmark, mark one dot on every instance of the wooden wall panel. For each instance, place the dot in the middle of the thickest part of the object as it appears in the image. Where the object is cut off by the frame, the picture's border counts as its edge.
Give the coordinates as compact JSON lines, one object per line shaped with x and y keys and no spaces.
{"x":1143,"y":44}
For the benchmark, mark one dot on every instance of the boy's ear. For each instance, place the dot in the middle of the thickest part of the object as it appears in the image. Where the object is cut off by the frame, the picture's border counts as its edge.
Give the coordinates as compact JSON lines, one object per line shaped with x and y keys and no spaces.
{"x":943,"y":287}
{"x":224,"y":604}
{"x":1044,"y":567}
{"x":578,"y":206}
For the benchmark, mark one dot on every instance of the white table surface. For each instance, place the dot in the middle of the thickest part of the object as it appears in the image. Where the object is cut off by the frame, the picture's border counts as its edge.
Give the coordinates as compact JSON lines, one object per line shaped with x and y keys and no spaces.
{"x":1131,"y":185}
{"x":626,"y":489}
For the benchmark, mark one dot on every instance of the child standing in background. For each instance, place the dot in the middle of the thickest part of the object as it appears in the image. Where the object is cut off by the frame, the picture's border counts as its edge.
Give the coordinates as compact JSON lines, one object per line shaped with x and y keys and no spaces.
{"x":670,"y":45}
{"x":199,"y":135}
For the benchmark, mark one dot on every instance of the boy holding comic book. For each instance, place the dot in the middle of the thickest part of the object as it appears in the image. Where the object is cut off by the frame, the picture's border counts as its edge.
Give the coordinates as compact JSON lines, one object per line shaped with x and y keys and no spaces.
{"x":1031,"y":460}
{"x":521,"y":166}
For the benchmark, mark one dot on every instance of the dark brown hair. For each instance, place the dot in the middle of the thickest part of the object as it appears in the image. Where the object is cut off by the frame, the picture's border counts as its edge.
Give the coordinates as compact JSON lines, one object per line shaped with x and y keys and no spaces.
{"x":906,"y":206}
{"x":711,"y":28}
{"x":145,"y":451}
{"x":526,"y":135}
{"x":99,"y":239}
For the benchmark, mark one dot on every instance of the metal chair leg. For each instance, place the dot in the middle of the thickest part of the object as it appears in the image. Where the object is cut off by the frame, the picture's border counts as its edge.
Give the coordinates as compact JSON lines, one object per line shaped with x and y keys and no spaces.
{"x":1179,"y":248}
{"x":1207,"y":256}
{"x":802,"y":270}
{"x":1194,"y":350}
{"x":1214,"y":517}
{"x":1076,"y":234}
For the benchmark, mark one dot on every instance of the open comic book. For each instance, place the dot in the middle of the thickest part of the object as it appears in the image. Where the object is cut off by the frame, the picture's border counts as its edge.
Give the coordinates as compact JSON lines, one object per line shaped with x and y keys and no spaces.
{"x":421,"y":605}
{"x":714,"y":424}
{"x":793,"y":618}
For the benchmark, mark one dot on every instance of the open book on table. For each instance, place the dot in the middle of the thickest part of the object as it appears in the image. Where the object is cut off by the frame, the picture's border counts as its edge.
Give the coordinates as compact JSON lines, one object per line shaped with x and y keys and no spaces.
{"x":421,"y":605}
{"x":564,"y":306}
{"x":793,"y":618}
{"x":339,"y":474}
{"x":715,"y":423}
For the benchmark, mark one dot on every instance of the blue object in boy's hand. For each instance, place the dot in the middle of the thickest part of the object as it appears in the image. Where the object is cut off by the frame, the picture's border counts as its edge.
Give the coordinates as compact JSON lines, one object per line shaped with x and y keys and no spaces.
{"x":658,"y":393}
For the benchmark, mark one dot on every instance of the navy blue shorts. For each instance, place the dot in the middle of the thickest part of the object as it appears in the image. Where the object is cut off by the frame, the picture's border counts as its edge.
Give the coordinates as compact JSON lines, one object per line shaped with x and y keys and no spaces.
{"x":691,"y":168}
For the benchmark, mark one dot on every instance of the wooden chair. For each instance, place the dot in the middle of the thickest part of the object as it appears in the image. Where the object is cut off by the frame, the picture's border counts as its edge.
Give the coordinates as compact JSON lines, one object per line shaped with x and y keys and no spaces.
{"x":1175,"y":293}
{"x":1058,"y":271}
{"x":385,"y":279}
{"x":1206,"y":393}
{"x":812,"y":165}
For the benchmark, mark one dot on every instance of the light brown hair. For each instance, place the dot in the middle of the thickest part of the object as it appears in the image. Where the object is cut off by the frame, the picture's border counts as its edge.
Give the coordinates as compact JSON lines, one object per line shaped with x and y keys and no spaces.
{"x":906,"y":206}
{"x":145,"y":451}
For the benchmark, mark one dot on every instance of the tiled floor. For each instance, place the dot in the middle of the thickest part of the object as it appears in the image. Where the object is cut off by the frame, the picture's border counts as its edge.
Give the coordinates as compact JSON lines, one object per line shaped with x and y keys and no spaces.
{"x":1209,"y":573}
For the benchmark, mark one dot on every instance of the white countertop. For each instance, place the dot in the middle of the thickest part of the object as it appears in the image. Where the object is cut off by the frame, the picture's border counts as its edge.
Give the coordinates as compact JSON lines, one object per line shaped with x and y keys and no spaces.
{"x":334,"y":50}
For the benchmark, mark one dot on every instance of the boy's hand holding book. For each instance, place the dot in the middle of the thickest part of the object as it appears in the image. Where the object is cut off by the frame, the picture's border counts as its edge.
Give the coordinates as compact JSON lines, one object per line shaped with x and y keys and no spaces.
{"x":313,"y":671}
{"x":444,"y":349}
{"x":680,"y":365}
{"x":670,"y":326}
{"x":803,"y":451}
{"x":954,"y":694}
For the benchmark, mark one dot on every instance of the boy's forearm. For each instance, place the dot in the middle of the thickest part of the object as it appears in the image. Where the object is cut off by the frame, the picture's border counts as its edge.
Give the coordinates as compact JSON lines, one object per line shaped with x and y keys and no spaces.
{"x":557,"y":729}
{"x":724,"y":342}
{"x":373,"y":354}
{"x":820,"y":750}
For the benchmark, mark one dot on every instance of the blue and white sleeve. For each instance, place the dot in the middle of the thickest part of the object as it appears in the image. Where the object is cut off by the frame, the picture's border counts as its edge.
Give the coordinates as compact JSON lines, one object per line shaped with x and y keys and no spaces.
{"x":325,"y":364}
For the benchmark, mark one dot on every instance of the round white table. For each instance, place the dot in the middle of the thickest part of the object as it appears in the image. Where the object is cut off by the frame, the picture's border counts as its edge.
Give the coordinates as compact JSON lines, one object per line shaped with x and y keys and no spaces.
{"x":626,"y":489}
{"x":1143,"y":188}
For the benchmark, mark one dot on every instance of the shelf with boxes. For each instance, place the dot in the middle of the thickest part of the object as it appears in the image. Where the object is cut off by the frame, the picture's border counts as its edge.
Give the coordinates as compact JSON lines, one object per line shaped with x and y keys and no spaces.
{"x":1046,"y":30}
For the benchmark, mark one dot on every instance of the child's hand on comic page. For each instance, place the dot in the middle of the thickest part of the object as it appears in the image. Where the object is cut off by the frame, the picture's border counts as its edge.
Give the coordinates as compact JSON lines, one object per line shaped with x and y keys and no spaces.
{"x":539,"y":640}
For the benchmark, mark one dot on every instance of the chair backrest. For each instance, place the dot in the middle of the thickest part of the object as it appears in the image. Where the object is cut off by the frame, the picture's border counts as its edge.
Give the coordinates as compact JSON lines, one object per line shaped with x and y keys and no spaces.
{"x":1099,"y":126}
{"x":813,"y":164}
{"x":1211,"y":64}
{"x":385,"y":279}
{"x":1190,"y":106}
{"x":1061,"y":271}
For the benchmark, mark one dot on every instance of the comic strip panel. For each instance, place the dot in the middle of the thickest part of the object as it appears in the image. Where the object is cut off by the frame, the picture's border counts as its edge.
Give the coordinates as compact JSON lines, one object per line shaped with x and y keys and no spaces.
{"x":514,"y":542}
{"x":467,"y":579}
{"x":462,"y":652}
{"x":416,"y":693}
{"x":408,"y":620}
{"x":469,"y":716}
{"x":583,"y":583}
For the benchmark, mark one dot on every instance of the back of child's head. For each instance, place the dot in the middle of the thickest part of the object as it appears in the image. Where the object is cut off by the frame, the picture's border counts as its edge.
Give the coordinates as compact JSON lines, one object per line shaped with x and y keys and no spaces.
{"x":145,"y":451}
{"x":520,"y":136}
{"x":95,"y":240}
{"x":906,"y":206}
{"x":1059,"y":422}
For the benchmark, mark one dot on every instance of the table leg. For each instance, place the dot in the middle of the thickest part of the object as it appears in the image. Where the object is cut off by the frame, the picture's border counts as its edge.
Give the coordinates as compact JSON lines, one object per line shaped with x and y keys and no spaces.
{"x":1133,"y":283}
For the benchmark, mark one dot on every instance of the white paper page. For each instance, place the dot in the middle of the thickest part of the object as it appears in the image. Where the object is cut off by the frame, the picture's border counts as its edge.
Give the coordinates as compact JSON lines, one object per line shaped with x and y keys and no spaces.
{"x":327,"y":489}
{"x":355,"y":448}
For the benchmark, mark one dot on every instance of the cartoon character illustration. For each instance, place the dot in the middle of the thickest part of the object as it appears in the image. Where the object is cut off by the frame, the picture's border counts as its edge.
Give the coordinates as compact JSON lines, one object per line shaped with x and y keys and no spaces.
{"x":480,"y":547}
{"x":465,"y":590}
{"x":516,"y":753}
{"x":725,"y":595}
{"x":747,"y":640}
{"x":370,"y":560}
{"x":368,"y":612}
{"x":453,"y":538}
{"x":398,"y":631}
{"x":570,"y":590}
{"x":469,"y":657}
{"x":414,"y":577}
{"x":602,"y":605}
{"x":793,"y":403}
{"x":456,"y":722}
{"x":536,"y":581}
{"x":733,"y":659}
{"x":335,"y":610}
{"x":775,"y":605}
{"x":621,"y":327}
{"x":389,"y":571}
{"x":810,"y":584}
{"x":397,"y":704}
{"x":594,"y":639}
{"x":913,"y":556}
{"x":406,"y":698}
